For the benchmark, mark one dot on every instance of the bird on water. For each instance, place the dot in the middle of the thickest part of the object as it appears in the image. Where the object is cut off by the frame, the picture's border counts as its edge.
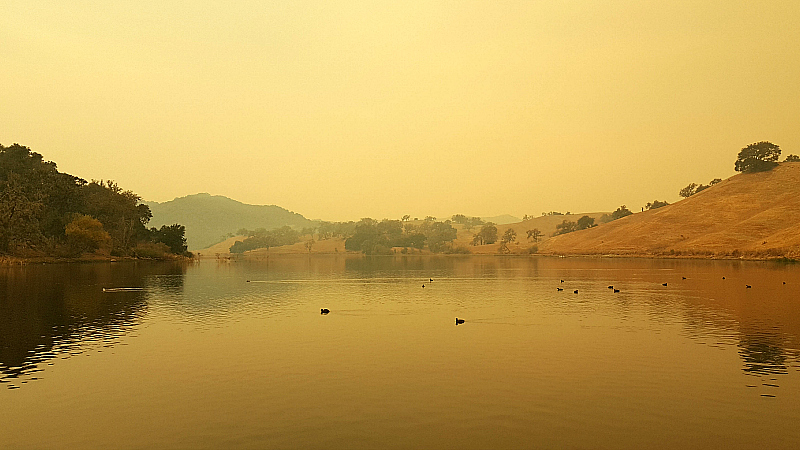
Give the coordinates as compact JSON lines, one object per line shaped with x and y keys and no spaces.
{"x":611,"y":287}
{"x":663,"y":284}
{"x":559,"y":289}
{"x":324,"y":311}
{"x":459,"y":321}
{"x":616,"y":290}
{"x":576,"y":291}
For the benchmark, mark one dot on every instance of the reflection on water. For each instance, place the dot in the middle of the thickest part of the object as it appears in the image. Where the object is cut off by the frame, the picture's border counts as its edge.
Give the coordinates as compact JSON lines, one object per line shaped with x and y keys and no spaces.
{"x":764,"y":354}
{"x":52,"y":311}
{"x":238,"y":355}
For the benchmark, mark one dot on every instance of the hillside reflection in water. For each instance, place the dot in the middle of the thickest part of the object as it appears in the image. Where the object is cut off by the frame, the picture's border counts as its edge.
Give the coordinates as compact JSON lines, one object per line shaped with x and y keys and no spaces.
{"x":237,"y":355}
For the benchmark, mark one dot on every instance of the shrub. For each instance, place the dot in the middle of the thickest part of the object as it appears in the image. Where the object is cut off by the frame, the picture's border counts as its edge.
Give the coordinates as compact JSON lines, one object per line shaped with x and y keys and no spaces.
{"x":151,"y":250}
{"x":86,"y":234}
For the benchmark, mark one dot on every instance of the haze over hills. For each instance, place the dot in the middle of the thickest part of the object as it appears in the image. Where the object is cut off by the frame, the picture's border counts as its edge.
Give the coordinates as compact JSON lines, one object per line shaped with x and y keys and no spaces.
{"x":501,"y":219}
{"x":750,"y":214}
{"x":210,"y":218}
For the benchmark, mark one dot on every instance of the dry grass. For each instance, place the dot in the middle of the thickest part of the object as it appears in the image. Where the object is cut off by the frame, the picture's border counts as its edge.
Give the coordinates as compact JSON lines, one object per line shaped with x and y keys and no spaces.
{"x":222,"y":248}
{"x":747,"y":215}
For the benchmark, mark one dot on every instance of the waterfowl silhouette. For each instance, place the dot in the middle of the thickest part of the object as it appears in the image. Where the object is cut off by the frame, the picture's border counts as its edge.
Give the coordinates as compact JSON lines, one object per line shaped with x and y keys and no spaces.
{"x":723,"y":278}
{"x":747,"y":286}
{"x":663,"y":284}
{"x":576,"y":291}
{"x":459,"y":321}
{"x":248,"y":281}
{"x":559,"y":289}
{"x":611,"y":287}
{"x":683,"y":278}
{"x":562,"y":281}
{"x":616,"y":290}
{"x":431,"y":279}
{"x":324,"y":311}
{"x":423,"y":285}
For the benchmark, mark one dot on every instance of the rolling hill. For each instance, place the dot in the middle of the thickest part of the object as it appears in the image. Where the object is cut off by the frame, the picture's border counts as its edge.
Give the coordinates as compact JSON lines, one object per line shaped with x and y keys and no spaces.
{"x":545,"y":224}
{"x":754,"y":215}
{"x":209,"y":218}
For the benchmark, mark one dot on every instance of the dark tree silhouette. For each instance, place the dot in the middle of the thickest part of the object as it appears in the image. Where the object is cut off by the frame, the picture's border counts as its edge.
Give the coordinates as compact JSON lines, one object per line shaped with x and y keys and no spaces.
{"x":534,"y":234}
{"x":655,"y":204}
{"x":758,"y":157}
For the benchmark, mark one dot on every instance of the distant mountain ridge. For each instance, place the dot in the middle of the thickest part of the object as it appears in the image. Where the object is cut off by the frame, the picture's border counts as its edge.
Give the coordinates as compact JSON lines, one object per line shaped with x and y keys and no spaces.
{"x":502,"y":219}
{"x":209,"y":218}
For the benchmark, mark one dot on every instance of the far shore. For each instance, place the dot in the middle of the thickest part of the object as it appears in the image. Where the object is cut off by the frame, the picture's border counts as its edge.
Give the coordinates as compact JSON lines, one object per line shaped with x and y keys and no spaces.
{"x":272,"y":253}
{"x":84,"y":259}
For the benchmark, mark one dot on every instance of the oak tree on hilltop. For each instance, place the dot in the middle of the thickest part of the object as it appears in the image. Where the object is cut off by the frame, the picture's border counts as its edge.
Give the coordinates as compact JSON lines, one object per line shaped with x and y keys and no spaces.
{"x":758,"y":157}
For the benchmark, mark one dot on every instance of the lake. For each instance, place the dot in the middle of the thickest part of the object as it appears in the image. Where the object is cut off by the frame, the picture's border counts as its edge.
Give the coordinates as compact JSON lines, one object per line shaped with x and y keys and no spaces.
{"x":238,"y":355}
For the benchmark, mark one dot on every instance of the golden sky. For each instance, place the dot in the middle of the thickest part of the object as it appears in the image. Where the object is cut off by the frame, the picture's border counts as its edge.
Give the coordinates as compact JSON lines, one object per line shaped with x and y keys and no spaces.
{"x":340,"y":110}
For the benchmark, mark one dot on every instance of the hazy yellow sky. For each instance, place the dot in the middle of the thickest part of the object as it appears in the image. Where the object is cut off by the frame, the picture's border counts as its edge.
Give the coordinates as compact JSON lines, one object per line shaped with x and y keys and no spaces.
{"x":341,"y":110}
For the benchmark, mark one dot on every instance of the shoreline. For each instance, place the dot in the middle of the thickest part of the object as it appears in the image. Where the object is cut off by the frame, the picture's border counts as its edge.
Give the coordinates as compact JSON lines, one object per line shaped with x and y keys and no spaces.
{"x":86,"y":259}
{"x":7,"y":261}
{"x":265,"y":256}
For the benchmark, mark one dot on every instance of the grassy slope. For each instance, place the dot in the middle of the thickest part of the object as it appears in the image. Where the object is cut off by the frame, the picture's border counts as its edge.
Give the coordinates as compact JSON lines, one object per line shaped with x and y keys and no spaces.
{"x":545,"y":224}
{"x":755,"y":215}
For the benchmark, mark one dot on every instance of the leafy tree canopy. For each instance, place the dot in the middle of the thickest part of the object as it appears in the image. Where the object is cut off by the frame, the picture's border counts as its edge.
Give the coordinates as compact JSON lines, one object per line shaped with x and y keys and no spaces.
{"x":758,"y":157}
{"x":38,"y":203}
{"x":487,"y":235}
{"x":655,"y":205}
{"x":509,"y":236}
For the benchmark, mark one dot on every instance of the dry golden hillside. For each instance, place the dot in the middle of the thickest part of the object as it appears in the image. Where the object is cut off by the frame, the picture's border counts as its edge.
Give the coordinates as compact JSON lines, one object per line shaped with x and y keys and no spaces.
{"x":751,"y":215}
{"x":221,"y":248}
{"x":545,"y":224}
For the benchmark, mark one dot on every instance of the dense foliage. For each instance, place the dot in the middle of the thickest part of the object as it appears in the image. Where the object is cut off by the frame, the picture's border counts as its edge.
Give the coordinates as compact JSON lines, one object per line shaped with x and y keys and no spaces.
{"x":373,"y":237}
{"x":620,"y":212}
{"x":487,"y":235}
{"x":655,"y":204}
{"x":261,"y":238}
{"x":568,"y":226}
{"x":758,"y":157}
{"x":46,"y":212}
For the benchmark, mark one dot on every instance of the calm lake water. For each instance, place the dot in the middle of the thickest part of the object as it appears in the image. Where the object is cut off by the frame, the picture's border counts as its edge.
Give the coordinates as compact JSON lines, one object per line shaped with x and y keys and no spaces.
{"x":202,"y":358}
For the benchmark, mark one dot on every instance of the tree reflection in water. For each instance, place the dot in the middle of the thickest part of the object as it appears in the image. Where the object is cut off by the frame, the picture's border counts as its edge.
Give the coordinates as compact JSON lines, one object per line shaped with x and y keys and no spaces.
{"x":60,"y":310}
{"x":763,"y":355}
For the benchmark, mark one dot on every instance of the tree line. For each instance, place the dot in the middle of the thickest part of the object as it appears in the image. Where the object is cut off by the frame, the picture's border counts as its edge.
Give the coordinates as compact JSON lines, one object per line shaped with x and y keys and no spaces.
{"x":261,"y":238}
{"x":368,"y":236}
{"x":373,"y":237}
{"x":44,"y":212}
